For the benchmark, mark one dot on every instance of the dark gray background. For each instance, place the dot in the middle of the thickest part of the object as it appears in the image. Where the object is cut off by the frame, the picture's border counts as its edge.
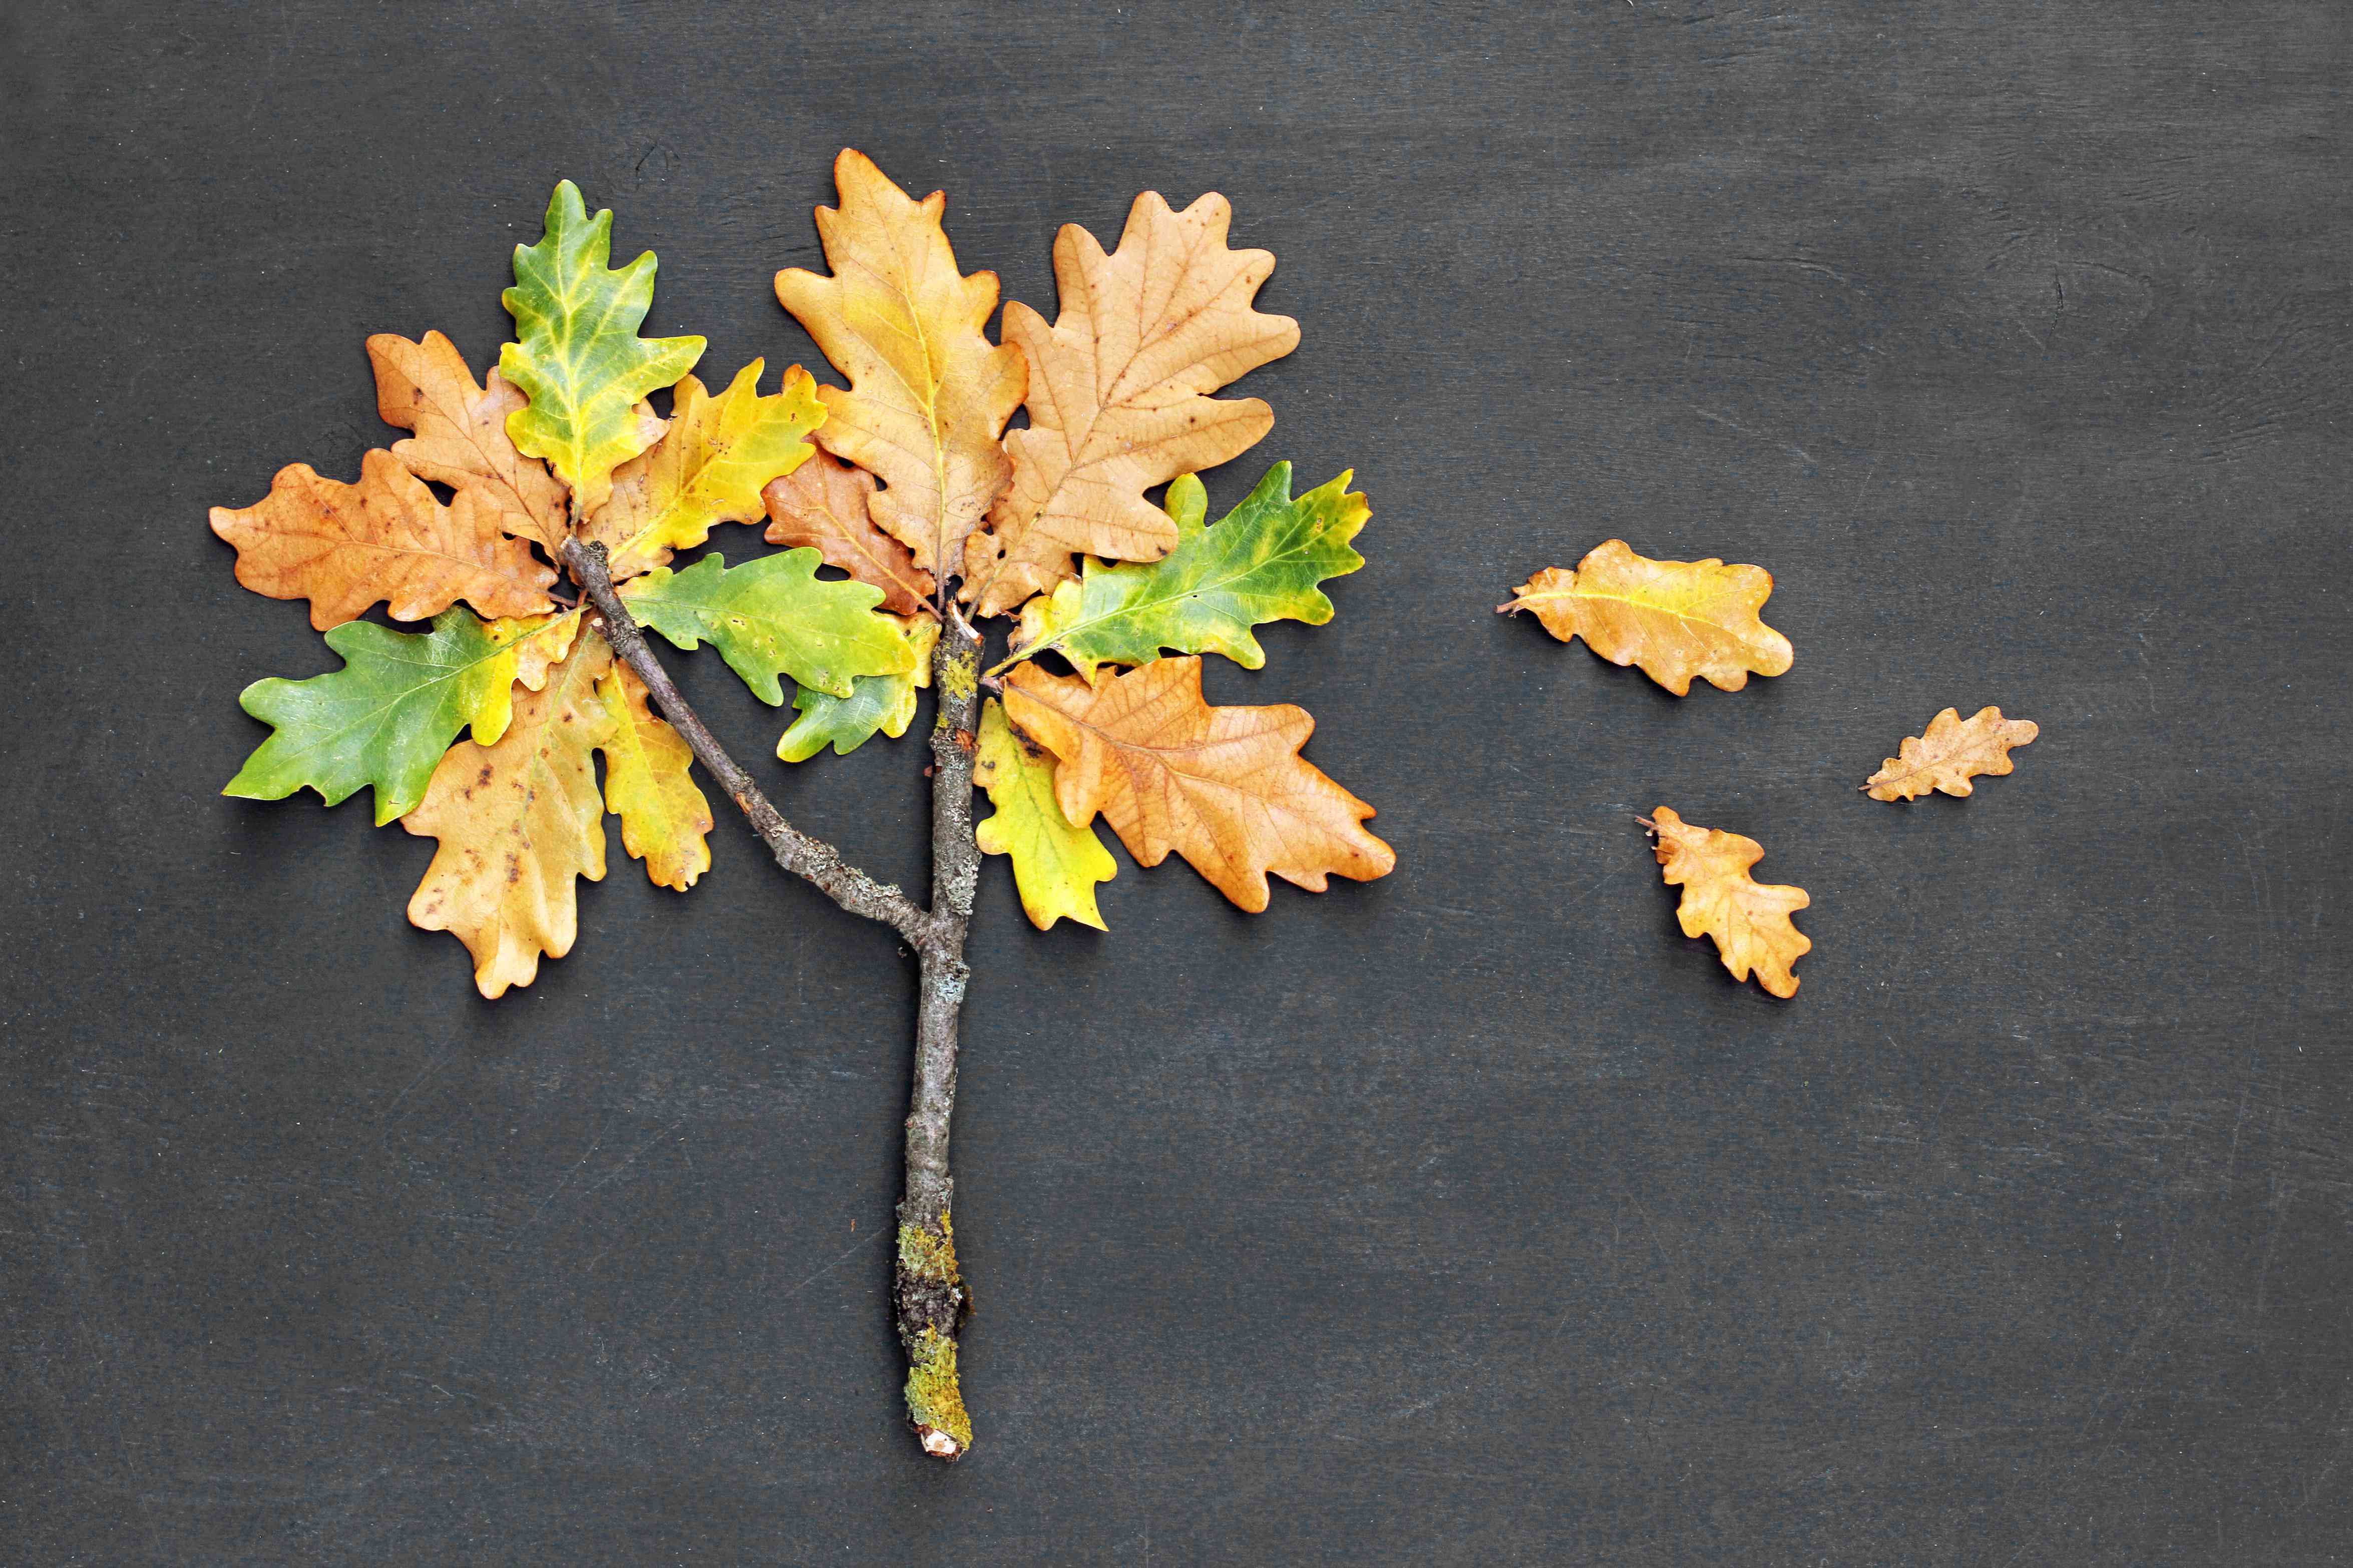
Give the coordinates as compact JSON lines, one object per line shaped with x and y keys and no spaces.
{"x":1468,"y":1216}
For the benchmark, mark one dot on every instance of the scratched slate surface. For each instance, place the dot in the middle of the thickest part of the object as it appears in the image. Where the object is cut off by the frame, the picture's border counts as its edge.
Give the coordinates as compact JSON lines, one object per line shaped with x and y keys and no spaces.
{"x":1472,"y":1216}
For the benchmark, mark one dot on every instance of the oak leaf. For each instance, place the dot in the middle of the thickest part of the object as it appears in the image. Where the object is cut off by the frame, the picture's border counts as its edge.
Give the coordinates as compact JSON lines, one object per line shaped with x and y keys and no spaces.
{"x":824,"y":504}
{"x":929,"y":395}
{"x":385,"y":718}
{"x":648,"y":785}
{"x":884,"y":703}
{"x":1675,"y":619}
{"x":1118,"y":393}
{"x":461,"y":433}
{"x":774,"y":617}
{"x":576,"y":354}
{"x":345,"y":547}
{"x":1056,"y":865}
{"x":1261,"y":563}
{"x":708,"y":469}
{"x":518,"y":821}
{"x":1950,"y":753}
{"x":1224,"y":787}
{"x":1749,"y":920}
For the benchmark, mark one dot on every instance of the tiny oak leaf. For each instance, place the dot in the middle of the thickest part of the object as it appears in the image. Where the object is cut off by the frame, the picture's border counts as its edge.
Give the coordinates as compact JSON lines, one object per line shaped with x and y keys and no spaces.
{"x":518,"y":821}
{"x":648,"y":784}
{"x":1057,"y":865}
{"x":576,"y":354}
{"x":1224,"y":787}
{"x":461,"y":433}
{"x":1748,"y":920}
{"x":1261,"y":563}
{"x":345,"y":547}
{"x":1675,"y":619}
{"x":385,"y":718}
{"x":1950,"y":753}
{"x":775,"y":616}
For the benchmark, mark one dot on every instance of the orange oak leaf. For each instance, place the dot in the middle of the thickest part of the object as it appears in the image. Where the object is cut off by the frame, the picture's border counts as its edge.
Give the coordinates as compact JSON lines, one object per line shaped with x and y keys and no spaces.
{"x":343,"y":547}
{"x":823,"y":504}
{"x":1118,"y":393}
{"x":461,"y":437}
{"x":1224,"y":787}
{"x":1749,"y":920}
{"x":1950,"y":754}
{"x":929,"y":395}
{"x":518,"y":821}
{"x":1677,"y":619}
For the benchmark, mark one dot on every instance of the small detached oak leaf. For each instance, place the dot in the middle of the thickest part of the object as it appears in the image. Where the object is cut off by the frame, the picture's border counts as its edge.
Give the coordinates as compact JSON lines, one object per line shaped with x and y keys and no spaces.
{"x":1749,"y":920}
{"x":1677,"y":619}
{"x":343,"y":547}
{"x":708,"y":469}
{"x":518,"y":821}
{"x":824,"y":504}
{"x":1224,"y":787}
{"x":1952,"y":752}
{"x":385,"y":717}
{"x":461,"y":433}
{"x":884,"y":703}
{"x":1056,"y":866}
{"x":577,"y":355}
{"x":775,"y":616}
{"x":929,"y":394}
{"x":1261,"y":563}
{"x":1118,"y":393}
{"x":648,"y":785}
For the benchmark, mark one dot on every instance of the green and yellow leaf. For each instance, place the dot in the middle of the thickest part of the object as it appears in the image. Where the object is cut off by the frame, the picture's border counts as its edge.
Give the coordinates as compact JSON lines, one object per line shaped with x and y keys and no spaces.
{"x":343,"y":547}
{"x":577,"y":355}
{"x":385,"y":717}
{"x":518,"y":821}
{"x":648,"y":784}
{"x":461,"y":433}
{"x":1056,"y":866}
{"x":708,"y":469}
{"x":1261,"y":563}
{"x":884,"y":703}
{"x":774,"y":617}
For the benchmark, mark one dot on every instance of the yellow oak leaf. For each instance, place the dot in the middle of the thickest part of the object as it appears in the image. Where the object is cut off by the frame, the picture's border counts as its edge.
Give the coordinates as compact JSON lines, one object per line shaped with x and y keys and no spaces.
{"x":1056,"y":864}
{"x":648,"y":784}
{"x":708,"y":469}
{"x":1951,"y":753}
{"x":343,"y":547}
{"x":518,"y":821}
{"x":823,"y":504}
{"x":1118,"y":393}
{"x":929,"y":395}
{"x":1677,"y":619}
{"x":1749,"y":920}
{"x":1224,"y":787}
{"x":461,"y":437}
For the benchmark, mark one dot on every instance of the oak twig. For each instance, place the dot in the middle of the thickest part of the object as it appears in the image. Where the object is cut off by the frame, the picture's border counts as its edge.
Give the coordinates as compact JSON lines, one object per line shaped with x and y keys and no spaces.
{"x":929,"y":1298}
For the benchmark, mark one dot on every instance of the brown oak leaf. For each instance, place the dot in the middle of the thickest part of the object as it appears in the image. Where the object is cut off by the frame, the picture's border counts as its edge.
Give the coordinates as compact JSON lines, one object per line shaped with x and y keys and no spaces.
{"x":1749,"y":920}
{"x":1224,"y":787}
{"x":461,"y":437}
{"x":1677,"y":619}
{"x":823,"y":504}
{"x":1951,"y":753}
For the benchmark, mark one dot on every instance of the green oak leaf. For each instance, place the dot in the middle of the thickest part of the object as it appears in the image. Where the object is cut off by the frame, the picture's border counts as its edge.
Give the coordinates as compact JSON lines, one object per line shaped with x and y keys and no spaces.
{"x":773,"y":616}
{"x":386,"y":717}
{"x":579,"y":358}
{"x":1262,"y":562}
{"x":884,"y":703}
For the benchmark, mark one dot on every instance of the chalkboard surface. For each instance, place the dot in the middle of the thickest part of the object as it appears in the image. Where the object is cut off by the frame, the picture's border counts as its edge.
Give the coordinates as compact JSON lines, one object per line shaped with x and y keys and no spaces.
{"x":1470,"y":1216}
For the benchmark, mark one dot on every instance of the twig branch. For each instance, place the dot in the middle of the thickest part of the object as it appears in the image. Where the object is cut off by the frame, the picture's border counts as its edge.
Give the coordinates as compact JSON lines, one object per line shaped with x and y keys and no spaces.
{"x":812,"y":859}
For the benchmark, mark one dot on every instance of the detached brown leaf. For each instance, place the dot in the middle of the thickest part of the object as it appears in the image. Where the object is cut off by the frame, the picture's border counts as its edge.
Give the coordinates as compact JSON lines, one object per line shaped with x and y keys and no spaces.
{"x":1224,"y":787}
{"x":1677,"y":619}
{"x":343,"y":547}
{"x":1748,"y":920}
{"x":1118,"y":394}
{"x":929,"y":395}
{"x":518,"y":821}
{"x":1950,"y":754}
{"x":823,"y":504}
{"x":461,"y":437}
